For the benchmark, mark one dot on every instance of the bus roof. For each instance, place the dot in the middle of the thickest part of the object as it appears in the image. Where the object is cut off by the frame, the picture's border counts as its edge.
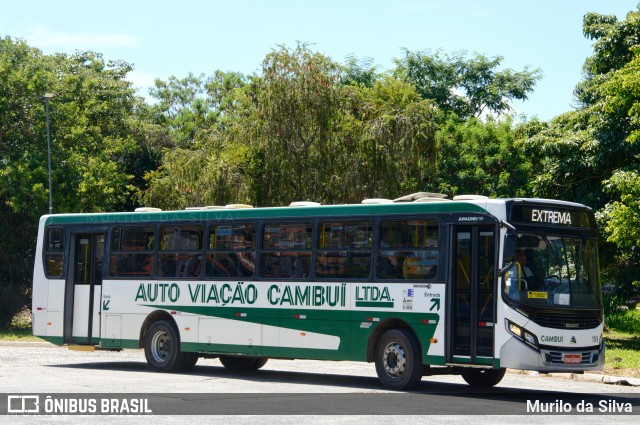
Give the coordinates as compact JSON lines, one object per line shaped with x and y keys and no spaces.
{"x":267,"y":212}
{"x":415,"y":205}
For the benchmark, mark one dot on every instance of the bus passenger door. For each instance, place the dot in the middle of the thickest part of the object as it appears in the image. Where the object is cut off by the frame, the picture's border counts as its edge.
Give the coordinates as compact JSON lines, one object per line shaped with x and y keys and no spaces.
{"x":472,"y":319}
{"x":84,"y":289}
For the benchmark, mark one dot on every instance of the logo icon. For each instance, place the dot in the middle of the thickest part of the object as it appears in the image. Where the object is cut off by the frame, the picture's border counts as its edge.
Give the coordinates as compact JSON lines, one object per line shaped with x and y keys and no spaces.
{"x":23,"y":404}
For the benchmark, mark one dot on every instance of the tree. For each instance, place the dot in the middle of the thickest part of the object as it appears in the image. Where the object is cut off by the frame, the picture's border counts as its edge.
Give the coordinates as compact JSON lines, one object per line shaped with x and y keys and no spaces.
{"x":202,"y":164}
{"x":92,"y":115}
{"x":297,"y":110}
{"x":466,"y":87}
{"x":361,"y":72}
{"x":591,"y":155}
{"x":482,"y":157}
{"x":389,"y":135}
{"x":303,"y":129}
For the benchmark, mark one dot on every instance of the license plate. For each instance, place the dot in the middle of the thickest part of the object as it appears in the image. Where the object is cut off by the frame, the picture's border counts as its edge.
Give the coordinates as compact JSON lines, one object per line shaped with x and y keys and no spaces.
{"x":572,"y":358}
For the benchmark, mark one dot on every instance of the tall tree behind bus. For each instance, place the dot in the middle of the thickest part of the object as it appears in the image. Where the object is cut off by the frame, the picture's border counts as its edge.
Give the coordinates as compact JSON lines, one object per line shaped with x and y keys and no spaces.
{"x":93,"y":153}
{"x":591,"y":155}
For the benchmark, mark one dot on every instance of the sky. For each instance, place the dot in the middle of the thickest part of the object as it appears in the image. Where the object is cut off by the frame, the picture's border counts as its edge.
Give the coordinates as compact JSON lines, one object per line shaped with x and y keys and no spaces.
{"x":173,"y":38}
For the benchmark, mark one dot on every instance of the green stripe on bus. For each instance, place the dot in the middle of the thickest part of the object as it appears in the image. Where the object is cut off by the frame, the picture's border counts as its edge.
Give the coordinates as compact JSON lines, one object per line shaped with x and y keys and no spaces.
{"x":259,"y":213}
{"x":57,"y":340}
{"x":381,"y":304}
{"x":272,"y":315}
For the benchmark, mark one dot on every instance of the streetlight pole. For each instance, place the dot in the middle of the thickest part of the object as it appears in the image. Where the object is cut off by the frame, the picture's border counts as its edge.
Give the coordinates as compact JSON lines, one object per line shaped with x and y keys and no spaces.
{"x":47,"y":98}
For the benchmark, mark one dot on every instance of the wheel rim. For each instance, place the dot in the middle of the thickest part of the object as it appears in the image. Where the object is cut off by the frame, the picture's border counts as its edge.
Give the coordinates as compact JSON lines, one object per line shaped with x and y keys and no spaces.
{"x":161,"y":347}
{"x":394,"y":360}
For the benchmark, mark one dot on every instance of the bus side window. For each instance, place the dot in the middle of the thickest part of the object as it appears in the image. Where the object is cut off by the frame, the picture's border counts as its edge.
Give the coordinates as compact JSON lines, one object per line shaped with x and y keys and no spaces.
{"x":54,"y":252}
{"x":131,"y":251}
{"x":286,"y":250}
{"x":180,"y":251}
{"x":231,"y":250}
{"x":408,"y":249}
{"x":344,"y":250}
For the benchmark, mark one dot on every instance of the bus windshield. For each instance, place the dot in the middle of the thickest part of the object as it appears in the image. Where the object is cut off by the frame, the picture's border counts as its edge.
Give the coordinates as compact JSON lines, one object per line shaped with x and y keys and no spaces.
{"x":554,"y":270}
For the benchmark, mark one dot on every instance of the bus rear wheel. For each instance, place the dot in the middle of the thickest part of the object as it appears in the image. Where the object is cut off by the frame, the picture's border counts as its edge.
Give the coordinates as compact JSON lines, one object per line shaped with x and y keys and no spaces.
{"x":483,"y":378}
{"x":243,"y":363}
{"x":398,"y":360}
{"x":162,"y":348}
{"x":190,"y":360}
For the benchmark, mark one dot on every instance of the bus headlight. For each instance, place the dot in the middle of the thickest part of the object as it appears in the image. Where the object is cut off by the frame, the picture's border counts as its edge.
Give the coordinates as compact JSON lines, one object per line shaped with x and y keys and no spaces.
{"x":522,"y":334}
{"x":530,"y":339}
{"x":514,"y":329}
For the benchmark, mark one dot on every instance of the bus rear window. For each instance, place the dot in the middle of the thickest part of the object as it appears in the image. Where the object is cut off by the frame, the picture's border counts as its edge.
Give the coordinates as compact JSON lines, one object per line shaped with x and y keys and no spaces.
{"x":54,"y":252}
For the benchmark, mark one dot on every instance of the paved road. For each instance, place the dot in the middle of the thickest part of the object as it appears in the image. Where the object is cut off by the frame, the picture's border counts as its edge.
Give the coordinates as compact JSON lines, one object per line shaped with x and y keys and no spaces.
{"x":285,"y":387}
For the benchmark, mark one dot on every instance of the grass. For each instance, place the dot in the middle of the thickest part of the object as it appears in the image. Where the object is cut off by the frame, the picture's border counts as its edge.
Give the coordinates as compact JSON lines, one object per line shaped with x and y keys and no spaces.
{"x":624,"y":320}
{"x":623,"y":354}
{"x":623,"y":343}
{"x":19,"y":331}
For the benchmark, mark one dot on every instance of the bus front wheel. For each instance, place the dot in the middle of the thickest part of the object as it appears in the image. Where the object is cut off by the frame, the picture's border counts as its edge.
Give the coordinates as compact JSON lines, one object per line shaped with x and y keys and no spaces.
{"x":483,"y":378}
{"x":243,"y":363}
{"x":162,"y":347}
{"x":398,"y":360}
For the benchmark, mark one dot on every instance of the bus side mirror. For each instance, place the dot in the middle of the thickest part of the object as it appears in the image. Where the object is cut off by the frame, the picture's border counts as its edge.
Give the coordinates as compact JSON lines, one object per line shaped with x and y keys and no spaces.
{"x":509,"y":251}
{"x":509,"y":248}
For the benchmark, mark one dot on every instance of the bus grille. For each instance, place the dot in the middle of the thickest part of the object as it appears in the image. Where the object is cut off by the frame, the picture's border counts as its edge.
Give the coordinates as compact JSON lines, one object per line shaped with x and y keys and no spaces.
{"x":579,"y":320}
{"x":557,"y":358}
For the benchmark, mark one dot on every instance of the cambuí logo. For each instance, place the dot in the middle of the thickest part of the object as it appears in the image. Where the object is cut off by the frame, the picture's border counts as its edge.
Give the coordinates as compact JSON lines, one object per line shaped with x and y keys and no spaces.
{"x":241,"y":293}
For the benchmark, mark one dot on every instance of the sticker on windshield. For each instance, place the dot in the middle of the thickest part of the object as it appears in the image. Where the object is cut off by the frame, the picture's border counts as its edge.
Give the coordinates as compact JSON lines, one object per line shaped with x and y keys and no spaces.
{"x":539,"y":295}
{"x":561,"y":299}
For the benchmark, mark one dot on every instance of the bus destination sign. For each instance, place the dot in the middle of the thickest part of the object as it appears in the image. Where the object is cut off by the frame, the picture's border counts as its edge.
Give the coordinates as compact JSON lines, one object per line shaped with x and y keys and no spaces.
{"x":544,"y":215}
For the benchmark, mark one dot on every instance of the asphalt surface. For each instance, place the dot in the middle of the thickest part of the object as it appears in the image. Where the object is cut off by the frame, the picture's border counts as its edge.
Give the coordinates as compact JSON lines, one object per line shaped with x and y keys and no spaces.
{"x":287,"y":391}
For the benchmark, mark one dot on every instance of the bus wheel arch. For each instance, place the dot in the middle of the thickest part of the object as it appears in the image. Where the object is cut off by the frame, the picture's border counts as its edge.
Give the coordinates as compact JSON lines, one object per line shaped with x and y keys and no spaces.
{"x":161,"y":341}
{"x":151,"y":318}
{"x":380,"y":330}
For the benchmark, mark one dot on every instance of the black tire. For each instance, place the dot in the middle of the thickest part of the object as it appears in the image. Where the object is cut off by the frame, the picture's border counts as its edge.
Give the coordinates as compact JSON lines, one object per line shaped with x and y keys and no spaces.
{"x":243,"y":364}
{"x":483,"y":378}
{"x":190,"y":360}
{"x":162,"y":347}
{"x":399,"y":360}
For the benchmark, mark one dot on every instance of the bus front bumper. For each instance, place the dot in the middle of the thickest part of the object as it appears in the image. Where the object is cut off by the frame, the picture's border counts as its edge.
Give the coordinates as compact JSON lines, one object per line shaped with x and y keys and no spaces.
{"x":517,"y":355}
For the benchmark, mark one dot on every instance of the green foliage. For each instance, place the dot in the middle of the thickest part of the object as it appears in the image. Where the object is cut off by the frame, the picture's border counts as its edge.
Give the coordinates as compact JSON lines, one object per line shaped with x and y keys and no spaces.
{"x":483,"y":158}
{"x":298,"y":104}
{"x":394,"y":145}
{"x":302,"y":131}
{"x":359,"y":72}
{"x":624,"y":321}
{"x":94,"y":150}
{"x":466,"y":87}
{"x":591,"y":155}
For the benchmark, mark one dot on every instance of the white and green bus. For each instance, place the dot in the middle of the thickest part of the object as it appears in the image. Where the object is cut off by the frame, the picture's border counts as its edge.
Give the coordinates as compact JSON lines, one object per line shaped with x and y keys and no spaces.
{"x":420,"y":286}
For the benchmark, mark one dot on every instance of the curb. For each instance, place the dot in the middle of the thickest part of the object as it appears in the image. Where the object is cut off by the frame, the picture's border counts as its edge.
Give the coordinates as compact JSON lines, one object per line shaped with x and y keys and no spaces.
{"x":585,"y":377}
